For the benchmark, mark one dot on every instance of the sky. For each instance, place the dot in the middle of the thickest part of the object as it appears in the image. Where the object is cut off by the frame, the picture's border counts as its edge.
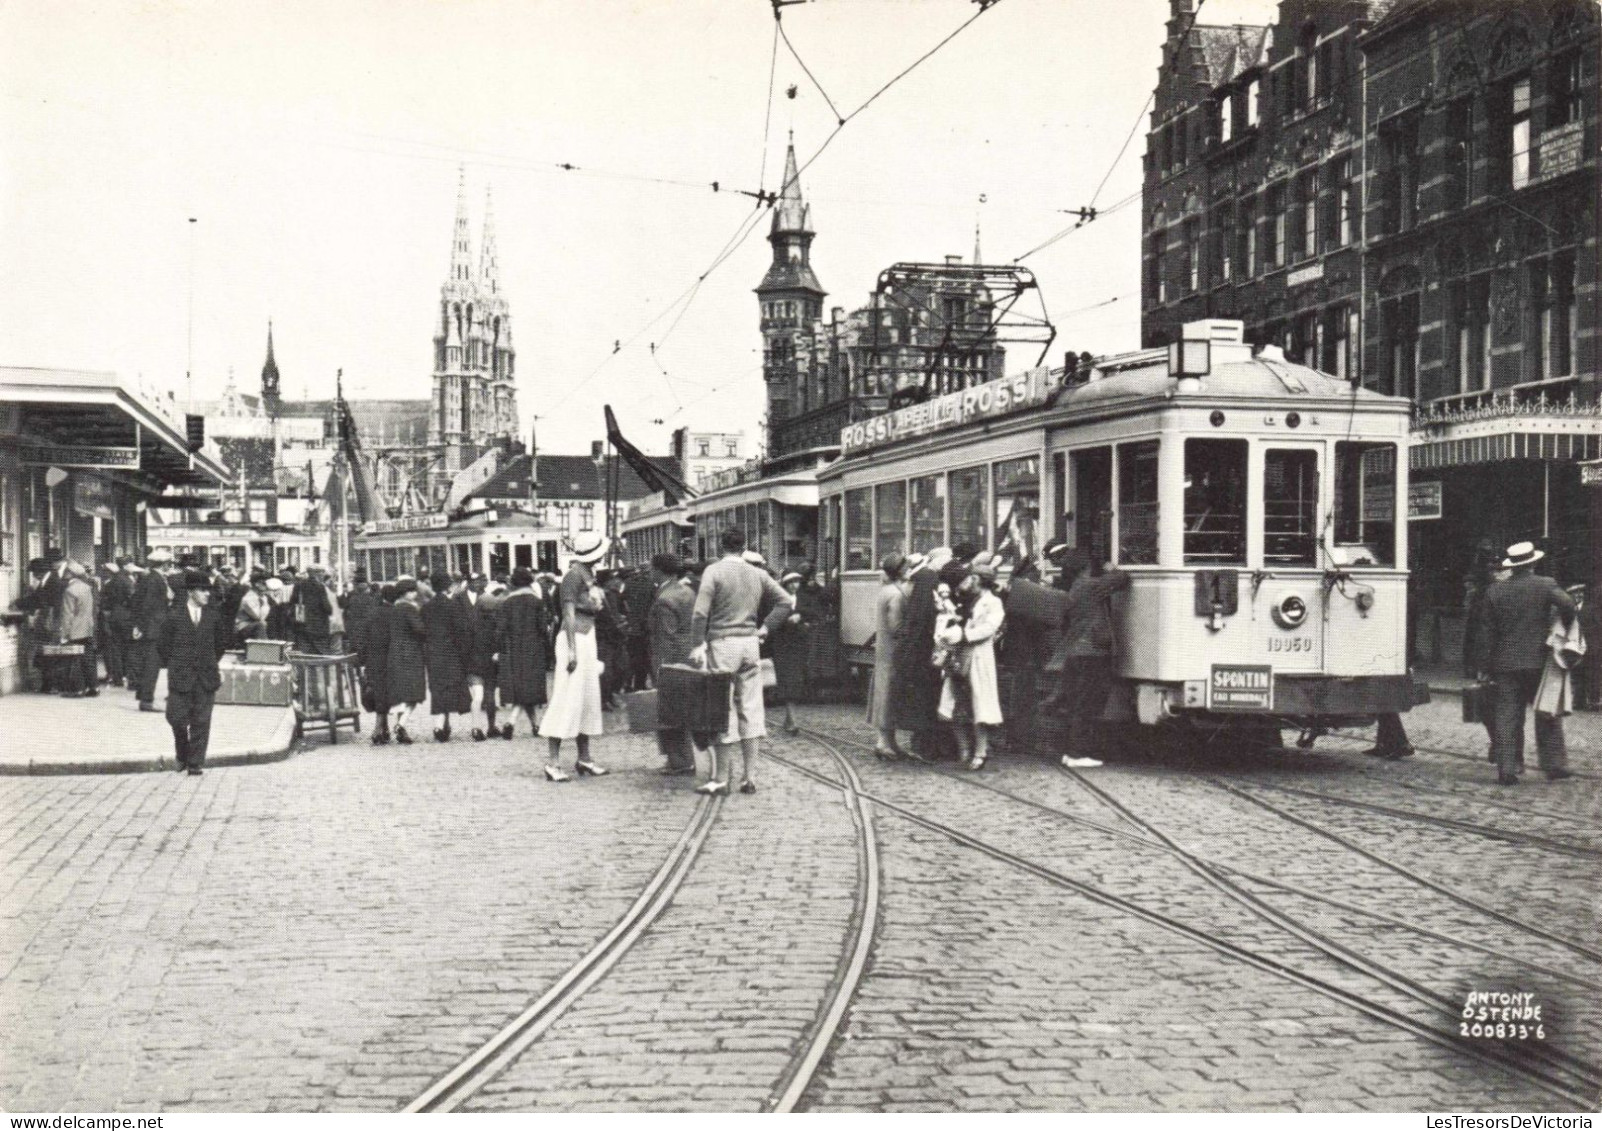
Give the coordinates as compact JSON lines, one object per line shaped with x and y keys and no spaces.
{"x":317,"y":145}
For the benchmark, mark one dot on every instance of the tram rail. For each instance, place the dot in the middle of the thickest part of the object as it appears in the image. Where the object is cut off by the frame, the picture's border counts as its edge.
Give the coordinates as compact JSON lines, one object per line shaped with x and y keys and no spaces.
{"x":1567,"y":1077}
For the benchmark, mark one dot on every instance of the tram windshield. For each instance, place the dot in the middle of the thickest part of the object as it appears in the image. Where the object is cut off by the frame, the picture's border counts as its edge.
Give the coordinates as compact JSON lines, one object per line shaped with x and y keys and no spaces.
{"x":1215,"y":502}
{"x":1365,"y":504}
{"x":1290,"y":507}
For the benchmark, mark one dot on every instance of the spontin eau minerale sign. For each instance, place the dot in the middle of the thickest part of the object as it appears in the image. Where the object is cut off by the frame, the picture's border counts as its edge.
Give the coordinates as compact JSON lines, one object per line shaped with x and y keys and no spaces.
{"x":993,"y":398}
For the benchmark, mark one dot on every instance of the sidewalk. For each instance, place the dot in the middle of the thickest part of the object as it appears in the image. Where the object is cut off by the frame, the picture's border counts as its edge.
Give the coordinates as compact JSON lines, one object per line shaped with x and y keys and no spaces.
{"x":45,"y":734}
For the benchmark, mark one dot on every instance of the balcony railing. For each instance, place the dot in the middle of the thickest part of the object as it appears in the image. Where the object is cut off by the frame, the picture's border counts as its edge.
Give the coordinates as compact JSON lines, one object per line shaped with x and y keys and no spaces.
{"x":1558,"y":397}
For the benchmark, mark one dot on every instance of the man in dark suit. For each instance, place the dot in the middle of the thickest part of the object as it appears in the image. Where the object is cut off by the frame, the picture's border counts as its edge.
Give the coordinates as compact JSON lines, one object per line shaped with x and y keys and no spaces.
{"x":479,"y":613}
{"x":359,"y":604}
{"x":116,"y":607}
{"x":150,"y":607}
{"x":670,"y":643}
{"x":313,"y":614}
{"x":189,"y":643}
{"x":1516,"y":618}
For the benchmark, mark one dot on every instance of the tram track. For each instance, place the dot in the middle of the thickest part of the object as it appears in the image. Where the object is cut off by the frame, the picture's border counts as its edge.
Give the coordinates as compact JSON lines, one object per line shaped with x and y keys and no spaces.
{"x":1135,"y":835}
{"x":1574,"y":1080}
{"x":458,"y":1086}
{"x":1493,"y":832}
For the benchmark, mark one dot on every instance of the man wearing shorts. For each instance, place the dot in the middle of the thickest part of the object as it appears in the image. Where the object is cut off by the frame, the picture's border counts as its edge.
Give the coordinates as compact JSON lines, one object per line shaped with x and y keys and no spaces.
{"x":724,"y":625}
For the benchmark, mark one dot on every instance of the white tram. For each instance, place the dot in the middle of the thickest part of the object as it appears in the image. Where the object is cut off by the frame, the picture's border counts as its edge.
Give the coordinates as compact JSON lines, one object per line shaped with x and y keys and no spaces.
{"x":489,"y":542}
{"x":1258,"y":505}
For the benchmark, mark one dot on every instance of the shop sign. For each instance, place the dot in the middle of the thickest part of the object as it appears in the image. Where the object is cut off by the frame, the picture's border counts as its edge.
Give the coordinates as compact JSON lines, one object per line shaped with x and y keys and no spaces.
{"x":1241,"y":687}
{"x":92,"y":497}
{"x":1591,"y":473}
{"x":1305,"y":274}
{"x":407,"y":524}
{"x":981,"y":402}
{"x":1423,"y":499}
{"x":79,"y":455}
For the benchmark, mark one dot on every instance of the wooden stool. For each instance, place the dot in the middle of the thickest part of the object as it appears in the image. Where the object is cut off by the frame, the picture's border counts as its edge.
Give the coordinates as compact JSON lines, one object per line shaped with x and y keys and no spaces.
{"x":326,"y":693}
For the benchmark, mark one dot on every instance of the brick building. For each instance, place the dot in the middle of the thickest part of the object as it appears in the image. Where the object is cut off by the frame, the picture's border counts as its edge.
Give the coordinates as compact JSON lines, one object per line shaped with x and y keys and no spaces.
{"x":1403,"y":192}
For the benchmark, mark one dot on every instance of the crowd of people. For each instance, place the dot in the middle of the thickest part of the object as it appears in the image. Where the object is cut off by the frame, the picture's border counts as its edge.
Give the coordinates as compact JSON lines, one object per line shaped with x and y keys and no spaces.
{"x":556,"y":653}
{"x":941,"y":620}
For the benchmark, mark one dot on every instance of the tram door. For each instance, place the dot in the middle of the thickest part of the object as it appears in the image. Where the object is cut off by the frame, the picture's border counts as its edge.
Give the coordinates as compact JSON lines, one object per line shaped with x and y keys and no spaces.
{"x":1089,"y":525}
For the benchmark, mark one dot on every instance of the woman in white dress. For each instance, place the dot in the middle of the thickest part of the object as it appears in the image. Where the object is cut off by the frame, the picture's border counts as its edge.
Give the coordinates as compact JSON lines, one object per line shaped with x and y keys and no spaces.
{"x":970,"y":698}
{"x":575,"y":707}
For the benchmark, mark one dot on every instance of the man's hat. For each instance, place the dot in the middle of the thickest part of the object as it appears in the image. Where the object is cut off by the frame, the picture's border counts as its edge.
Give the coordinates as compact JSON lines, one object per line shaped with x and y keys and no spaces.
{"x":158,"y":556}
{"x":404,"y":586}
{"x":1522,"y":554}
{"x":753,"y":558}
{"x":590,"y":547}
{"x":441,"y":581}
{"x":37,"y":565}
{"x":195,"y":579}
{"x":55,"y":554}
{"x":522,"y":577}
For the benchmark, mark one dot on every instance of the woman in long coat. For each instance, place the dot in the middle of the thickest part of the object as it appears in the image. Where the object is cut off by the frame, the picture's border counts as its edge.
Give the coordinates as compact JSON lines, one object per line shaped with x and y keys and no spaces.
{"x":973,"y":689}
{"x":790,"y":648}
{"x":887,"y":625}
{"x":375,"y":661}
{"x":917,"y":680}
{"x":523,"y":645}
{"x":408,"y":679}
{"x":449,"y":651}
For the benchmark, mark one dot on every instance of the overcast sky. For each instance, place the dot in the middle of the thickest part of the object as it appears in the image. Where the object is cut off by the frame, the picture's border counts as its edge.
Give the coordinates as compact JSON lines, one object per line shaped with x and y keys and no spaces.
{"x":317,"y":144}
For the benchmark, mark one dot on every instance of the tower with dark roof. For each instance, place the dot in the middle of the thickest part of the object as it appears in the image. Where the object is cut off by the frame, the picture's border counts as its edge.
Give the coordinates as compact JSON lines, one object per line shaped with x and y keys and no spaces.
{"x":790,"y":295}
{"x":269,"y":377}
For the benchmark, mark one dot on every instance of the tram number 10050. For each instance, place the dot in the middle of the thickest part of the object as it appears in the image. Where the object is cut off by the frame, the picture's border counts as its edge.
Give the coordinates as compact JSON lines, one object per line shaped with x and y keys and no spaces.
{"x":1290,"y":643}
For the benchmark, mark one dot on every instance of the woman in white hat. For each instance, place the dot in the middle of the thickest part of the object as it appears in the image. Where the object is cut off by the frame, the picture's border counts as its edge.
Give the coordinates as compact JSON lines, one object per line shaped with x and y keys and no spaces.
{"x":575,"y":707}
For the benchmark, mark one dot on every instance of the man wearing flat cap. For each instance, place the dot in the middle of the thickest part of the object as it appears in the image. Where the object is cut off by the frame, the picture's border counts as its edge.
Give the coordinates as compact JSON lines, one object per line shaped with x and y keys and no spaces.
{"x":189,"y":643}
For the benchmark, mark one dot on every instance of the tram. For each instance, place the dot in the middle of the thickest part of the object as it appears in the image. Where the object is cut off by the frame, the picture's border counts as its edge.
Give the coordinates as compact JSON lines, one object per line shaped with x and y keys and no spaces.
{"x":1258,"y":505}
{"x":489,"y":541}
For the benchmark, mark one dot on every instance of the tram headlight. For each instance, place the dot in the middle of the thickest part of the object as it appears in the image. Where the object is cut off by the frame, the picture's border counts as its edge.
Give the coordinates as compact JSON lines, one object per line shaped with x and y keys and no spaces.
{"x":1365,"y":601}
{"x":1290,"y":612}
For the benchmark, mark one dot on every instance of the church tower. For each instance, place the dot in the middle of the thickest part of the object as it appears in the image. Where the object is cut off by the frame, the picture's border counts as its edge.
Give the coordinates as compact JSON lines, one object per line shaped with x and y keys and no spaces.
{"x":475,"y":399}
{"x":270,"y":400}
{"x":790,"y":295}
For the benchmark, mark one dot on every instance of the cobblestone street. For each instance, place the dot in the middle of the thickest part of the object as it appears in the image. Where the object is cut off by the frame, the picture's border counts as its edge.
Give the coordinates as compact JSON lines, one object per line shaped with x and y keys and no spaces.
{"x":339,"y":930}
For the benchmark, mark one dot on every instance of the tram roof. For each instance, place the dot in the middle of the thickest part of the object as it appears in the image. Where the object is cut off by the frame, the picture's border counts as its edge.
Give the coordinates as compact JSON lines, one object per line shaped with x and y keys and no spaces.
{"x":1235,"y":374}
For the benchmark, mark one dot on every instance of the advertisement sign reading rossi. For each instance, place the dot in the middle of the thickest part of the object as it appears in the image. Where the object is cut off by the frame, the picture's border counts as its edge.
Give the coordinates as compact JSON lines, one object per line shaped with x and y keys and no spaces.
{"x":993,"y":398}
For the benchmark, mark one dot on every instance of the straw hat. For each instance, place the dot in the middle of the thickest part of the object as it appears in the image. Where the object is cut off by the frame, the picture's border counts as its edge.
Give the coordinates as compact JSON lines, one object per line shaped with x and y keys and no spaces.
{"x":590,"y":547}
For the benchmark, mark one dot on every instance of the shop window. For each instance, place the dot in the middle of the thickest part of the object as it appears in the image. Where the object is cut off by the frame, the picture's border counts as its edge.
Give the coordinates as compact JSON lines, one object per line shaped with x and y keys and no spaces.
{"x":1137,"y":503}
{"x":859,"y":529}
{"x":1215,"y":502}
{"x":1290,"y":507}
{"x":970,"y":507}
{"x":1563,"y":99}
{"x":1017,"y":508}
{"x":928,"y":513}
{"x":1365,"y":504}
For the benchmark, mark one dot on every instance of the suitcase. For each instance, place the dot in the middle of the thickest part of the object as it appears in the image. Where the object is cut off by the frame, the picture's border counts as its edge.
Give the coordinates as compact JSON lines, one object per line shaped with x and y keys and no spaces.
{"x":1479,"y":702}
{"x":693,"y":698}
{"x":266,"y":651}
{"x":255,"y":685}
{"x":1040,"y":604}
{"x":640,"y":706}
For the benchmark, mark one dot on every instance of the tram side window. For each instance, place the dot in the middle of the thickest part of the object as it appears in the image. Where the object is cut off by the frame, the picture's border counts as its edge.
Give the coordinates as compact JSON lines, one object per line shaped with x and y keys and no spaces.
{"x":970,"y":510}
{"x":890,"y":506}
{"x":1365,"y":504}
{"x":523,"y":556}
{"x":1215,"y":502}
{"x":1137,"y":503}
{"x":859,"y":529}
{"x":1290,"y":507}
{"x":392,"y":568}
{"x":1017,"y":508}
{"x":547,"y":557}
{"x":928,"y":513}
{"x":500,"y":562}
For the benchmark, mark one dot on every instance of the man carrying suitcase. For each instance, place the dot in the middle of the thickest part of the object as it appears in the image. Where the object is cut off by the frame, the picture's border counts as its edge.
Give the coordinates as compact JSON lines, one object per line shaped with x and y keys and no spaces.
{"x":669,"y":617}
{"x":728,"y":638}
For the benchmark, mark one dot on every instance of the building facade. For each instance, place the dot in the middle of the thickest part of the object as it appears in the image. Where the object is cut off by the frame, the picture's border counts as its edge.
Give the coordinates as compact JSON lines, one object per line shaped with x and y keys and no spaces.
{"x":1403,"y":193}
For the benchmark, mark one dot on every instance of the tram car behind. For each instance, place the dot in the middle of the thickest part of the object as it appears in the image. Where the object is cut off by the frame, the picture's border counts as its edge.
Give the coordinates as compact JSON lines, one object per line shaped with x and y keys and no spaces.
{"x":1259,"y":507}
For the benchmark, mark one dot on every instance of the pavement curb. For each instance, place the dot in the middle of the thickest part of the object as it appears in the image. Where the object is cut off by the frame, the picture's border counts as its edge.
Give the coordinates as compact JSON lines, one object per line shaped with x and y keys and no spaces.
{"x":277,"y":748}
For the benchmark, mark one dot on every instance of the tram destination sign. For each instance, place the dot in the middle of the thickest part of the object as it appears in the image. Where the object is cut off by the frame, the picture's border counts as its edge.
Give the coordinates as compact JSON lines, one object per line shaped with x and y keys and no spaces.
{"x":991,"y":399}
{"x":407,"y":524}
